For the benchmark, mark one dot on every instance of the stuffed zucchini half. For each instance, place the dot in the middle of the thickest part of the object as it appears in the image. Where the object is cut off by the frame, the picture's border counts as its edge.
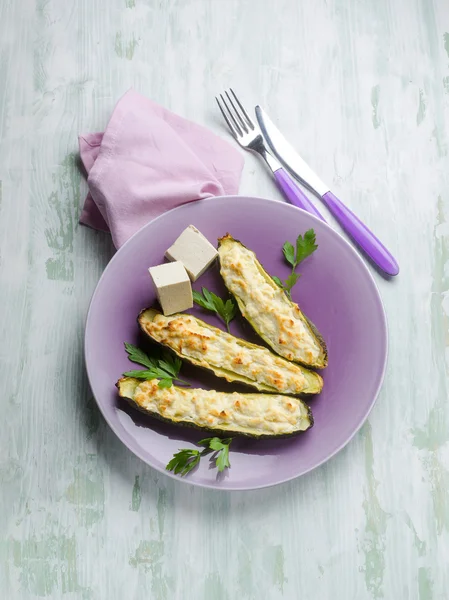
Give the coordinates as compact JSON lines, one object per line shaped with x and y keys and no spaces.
{"x":277,"y":319}
{"x":252,"y":415}
{"x":227,"y":356}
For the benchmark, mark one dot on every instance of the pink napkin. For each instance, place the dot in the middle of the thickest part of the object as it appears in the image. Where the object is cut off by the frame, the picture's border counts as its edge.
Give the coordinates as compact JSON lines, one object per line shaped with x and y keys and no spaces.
{"x":148,"y":161}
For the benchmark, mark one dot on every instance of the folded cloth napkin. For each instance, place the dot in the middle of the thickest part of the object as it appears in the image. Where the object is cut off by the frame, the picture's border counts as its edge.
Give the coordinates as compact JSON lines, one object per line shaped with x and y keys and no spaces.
{"x":148,"y":161}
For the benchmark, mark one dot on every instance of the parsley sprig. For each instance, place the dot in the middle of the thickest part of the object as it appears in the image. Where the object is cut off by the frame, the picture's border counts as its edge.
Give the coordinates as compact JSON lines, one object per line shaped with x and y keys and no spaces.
{"x":165,"y":368}
{"x":210,"y":301}
{"x":305,"y":246}
{"x":187,"y":459}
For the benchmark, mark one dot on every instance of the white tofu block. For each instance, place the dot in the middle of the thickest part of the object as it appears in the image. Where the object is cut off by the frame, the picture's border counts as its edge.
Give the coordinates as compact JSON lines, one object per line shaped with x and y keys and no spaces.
{"x":173,"y":287}
{"x":194,"y":251}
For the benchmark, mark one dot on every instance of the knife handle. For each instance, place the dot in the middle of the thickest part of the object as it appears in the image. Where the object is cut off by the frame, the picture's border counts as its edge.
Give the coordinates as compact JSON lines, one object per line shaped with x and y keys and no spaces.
{"x":360,"y":233}
{"x":294,"y":194}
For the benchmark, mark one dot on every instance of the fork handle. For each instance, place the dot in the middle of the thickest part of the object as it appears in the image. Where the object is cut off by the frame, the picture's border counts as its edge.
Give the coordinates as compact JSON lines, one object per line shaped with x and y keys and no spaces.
{"x":360,"y":233}
{"x":294,"y":194}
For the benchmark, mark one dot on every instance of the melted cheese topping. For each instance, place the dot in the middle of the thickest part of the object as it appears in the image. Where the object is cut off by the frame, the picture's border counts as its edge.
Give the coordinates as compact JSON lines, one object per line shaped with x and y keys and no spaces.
{"x":210,"y":347}
{"x":256,"y":414}
{"x":266,"y":306}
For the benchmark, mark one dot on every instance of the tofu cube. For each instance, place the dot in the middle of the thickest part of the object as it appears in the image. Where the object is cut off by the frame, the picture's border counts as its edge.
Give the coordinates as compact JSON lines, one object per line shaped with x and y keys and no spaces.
{"x":194,"y":251}
{"x":173,"y":287}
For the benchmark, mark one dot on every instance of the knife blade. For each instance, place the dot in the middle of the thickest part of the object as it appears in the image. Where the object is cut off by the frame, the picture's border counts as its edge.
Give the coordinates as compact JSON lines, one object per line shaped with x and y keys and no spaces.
{"x":353,"y":226}
{"x":288,"y":156}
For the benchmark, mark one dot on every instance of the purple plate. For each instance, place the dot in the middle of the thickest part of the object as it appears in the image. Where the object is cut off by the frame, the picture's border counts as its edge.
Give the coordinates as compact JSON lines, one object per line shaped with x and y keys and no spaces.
{"x":336,"y":291}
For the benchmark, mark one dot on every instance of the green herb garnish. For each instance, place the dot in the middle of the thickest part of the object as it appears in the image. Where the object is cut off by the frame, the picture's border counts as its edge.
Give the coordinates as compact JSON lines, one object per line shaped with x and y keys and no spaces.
{"x":187,"y":459}
{"x":184,"y":461}
{"x":305,"y":246}
{"x":221,"y":448}
{"x":210,"y":301}
{"x":165,"y":368}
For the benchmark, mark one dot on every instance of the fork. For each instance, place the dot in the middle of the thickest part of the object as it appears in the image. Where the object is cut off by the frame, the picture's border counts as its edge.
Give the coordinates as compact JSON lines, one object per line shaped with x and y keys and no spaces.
{"x":249,"y":136}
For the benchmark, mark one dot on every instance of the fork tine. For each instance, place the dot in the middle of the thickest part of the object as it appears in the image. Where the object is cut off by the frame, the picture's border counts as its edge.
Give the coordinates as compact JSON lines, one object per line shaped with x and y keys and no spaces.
{"x":237,"y":112}
{"x":250,"y":123}
{"x":230,"y":125}
{"x":238,"y":132}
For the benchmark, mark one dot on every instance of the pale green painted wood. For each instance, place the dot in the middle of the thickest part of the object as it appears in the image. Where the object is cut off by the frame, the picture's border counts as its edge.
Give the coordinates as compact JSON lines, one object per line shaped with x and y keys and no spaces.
{"x":363,"y":89}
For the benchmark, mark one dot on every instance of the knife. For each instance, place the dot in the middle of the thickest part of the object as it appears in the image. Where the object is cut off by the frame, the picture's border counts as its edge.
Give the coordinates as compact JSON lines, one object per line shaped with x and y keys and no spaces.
{"x":353,"y":226}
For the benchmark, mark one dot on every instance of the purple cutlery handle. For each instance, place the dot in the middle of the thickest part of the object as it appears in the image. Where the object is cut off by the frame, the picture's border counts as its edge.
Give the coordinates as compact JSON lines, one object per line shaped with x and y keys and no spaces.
{"x":360,"y":233}
{"x":294,"y":194}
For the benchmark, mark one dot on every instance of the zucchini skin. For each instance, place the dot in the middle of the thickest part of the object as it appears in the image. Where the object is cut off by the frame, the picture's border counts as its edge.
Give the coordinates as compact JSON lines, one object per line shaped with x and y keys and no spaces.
{"x":320,"y":363}
{"x":127,"y":386}
{"x":313,"y":381}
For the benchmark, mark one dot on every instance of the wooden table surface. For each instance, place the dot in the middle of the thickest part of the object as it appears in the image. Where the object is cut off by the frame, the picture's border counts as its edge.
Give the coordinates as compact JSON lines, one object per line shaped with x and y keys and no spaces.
{"x":363,"y":90}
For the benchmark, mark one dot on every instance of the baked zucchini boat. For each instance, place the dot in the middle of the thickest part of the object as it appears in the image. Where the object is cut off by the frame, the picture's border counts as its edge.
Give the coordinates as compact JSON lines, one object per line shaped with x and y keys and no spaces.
{"x":251,"y":415}
{"x":227,"y":356}
{"x":278,"y":320}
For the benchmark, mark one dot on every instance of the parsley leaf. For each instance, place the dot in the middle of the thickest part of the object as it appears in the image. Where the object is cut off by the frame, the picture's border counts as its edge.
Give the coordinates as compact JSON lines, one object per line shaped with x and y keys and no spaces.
{"x":289,"y":253}
{"x":291,"y":280}
{"x":294,"y":255}
{"x":218,"y":303}
{"x":148,"y":375}
{"x":203,"y":302}
{"x":221,"y":448}
{"x":186,"y":459}
{"x":305,"y":246}
{"x":137,"y":355}
{"x":215,"y":443}
{"x":206,"y":442}
{"x":230,"y":310}
{"x":170,"y":364}
{"x":222,"y":460}
{"x":208,"y":295}
{"x":165,"y":383}
{"x":166,"y":368}
{"x":210,"y":301}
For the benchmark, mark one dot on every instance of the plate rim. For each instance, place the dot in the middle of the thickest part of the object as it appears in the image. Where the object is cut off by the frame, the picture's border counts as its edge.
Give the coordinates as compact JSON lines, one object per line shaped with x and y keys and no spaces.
{"x":135,"y":449}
